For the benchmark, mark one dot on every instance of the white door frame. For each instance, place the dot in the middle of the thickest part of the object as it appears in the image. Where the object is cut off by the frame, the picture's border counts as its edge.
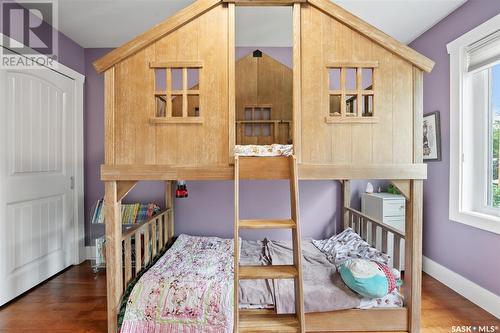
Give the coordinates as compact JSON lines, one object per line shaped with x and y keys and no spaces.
{"x":79,"y":216}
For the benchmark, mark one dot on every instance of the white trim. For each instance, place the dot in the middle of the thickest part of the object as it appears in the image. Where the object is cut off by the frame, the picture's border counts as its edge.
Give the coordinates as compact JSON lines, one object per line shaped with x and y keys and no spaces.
{"x":79,"y":79}
{"x":468,"y":289}
{"x":457,"y":50}
{"x":90,"y":253}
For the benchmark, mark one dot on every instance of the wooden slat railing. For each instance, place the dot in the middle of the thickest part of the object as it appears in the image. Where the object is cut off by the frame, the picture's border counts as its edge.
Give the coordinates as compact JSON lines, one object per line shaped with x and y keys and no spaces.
{"x":150,"y":238}
{"x":362,"y":223}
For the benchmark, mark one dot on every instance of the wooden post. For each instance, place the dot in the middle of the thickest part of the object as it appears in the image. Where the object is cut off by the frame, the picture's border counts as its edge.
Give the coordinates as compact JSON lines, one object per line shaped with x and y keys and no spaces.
{"x":346,"y":192}
{"x":297,"y":79}
{"x":236,"y":264}
{"x":169,"y":204}
{"x":114,"y":277}
{"x":231,"y":80}
{"x":413,"y":256}
{"x":414,"y":207}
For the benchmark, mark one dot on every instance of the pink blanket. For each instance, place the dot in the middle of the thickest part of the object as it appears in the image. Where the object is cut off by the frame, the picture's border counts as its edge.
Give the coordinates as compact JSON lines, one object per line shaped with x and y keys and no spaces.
{"x":195,"y":297}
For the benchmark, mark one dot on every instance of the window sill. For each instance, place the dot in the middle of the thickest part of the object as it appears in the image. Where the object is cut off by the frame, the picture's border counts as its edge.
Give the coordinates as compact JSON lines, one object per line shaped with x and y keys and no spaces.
{"x":478,"y":220}
{"x":351,"y":120}
{"x":175,"y":120}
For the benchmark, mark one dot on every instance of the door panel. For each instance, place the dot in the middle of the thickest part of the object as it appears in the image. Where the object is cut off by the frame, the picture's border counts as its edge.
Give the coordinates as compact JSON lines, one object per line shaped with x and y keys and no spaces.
{"x":36,"y":169}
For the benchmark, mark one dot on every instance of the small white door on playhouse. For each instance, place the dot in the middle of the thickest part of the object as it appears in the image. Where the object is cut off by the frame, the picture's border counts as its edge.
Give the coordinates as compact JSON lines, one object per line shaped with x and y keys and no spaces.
{"x":36,"y":175}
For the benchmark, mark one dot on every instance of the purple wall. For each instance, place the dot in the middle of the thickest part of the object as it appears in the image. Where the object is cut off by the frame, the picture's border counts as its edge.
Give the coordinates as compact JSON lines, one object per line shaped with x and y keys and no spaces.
{"x":470,"y":252}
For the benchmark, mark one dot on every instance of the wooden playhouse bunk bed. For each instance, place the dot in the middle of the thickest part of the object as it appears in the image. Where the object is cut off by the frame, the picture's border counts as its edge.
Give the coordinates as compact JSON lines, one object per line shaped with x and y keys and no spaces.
{"x":339,"y":132}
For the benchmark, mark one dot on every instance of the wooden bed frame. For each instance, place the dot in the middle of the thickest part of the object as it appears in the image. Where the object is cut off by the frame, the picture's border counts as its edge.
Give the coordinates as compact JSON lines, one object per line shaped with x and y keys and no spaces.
{"x":141,"y":145}
{"x":153,"y":236}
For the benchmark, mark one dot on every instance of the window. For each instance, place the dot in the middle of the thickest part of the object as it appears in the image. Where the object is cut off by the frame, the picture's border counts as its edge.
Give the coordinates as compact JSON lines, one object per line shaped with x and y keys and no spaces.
{"x":177,"y":92}
{"x":475,"y":127}
{"x":351,"y":92}
{"x":257,"y":121}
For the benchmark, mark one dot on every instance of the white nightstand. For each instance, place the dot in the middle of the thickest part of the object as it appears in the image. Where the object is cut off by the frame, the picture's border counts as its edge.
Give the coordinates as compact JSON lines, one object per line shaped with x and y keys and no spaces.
{"x":389,"y":209}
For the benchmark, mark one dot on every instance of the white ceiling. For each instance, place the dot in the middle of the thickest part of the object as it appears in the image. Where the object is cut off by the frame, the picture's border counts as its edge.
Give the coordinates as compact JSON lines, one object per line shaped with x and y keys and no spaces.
{"x":111,"y":23}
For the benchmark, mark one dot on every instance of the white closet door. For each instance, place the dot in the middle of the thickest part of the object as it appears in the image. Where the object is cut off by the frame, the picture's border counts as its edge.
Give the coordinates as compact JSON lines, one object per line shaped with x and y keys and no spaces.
{"x":37,"y":154}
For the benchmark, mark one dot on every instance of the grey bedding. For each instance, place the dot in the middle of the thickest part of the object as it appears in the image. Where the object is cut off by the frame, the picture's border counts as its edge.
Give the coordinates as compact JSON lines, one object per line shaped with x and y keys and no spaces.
{"x":323,"y":287}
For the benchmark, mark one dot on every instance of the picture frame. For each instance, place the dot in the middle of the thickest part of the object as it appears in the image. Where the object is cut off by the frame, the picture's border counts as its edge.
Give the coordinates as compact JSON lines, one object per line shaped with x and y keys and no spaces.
{"x":432,"y":137}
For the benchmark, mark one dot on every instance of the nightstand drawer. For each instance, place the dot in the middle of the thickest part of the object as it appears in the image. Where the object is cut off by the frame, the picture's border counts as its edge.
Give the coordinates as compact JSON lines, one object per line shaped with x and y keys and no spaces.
{"x":396,"y":222}
{"x":394,"y":208}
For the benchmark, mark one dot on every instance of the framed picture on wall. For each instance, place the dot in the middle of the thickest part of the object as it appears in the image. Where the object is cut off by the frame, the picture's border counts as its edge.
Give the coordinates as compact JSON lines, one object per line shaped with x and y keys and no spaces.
{"x":432,"y":137}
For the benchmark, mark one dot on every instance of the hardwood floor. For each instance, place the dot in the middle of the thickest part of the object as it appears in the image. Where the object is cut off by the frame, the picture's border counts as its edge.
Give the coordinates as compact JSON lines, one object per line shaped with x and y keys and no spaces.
{"x":75,"y":301}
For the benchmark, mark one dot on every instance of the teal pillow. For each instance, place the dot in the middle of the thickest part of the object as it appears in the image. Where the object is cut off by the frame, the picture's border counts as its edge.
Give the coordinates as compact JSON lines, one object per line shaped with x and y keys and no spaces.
{"x":368,"y":278}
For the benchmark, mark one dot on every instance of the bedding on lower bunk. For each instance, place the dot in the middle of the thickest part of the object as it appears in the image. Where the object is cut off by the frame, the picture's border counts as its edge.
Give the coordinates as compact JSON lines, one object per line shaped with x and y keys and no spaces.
{"x":190,"y":288}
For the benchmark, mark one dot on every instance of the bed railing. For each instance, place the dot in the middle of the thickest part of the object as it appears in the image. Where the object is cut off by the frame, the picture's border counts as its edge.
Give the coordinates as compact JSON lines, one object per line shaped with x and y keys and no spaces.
{"x":143,"y":242}
{"x":368,"y":228}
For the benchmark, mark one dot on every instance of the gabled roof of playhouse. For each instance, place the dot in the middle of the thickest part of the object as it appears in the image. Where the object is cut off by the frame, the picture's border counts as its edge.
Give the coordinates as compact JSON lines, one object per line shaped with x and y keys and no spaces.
{"x":201,"y":6}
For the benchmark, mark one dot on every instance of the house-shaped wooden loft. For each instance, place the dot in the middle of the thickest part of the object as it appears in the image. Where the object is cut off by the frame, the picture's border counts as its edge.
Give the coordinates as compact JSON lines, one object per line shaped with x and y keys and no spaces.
{"x":356,"y":99}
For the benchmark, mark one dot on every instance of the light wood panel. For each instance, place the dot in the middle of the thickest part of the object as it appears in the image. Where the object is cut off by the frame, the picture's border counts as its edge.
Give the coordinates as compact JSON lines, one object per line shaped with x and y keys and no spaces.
{"x":403,"y":186}
{"x":355,"y":141}
{"x":373,"y":171}
{"x":346,"y":198}
{"x":370,"y":320}
{"x":231,"y":80}
{"x":199,"y":40}
{"x":413,"y":256}
{"x":374,"y":34}
{"x":264,"y":168}
{"x":168,"y":26}
{"x":236,"y":248}
{"x":268,"y":272}
{"x":264,"y":82}
{"x":297,"y":81}
{"x":267,"y":224}
{"x":264,"y":2}
{"x":114,"y":277}
{"x":141,"y":138}
{"x":109,"y":116}
{"x":134,"y":139}
{"x":296,"y":241}
{"x":306,"y":171}
{"x":123,"y":188}
{"x":268,"y":323}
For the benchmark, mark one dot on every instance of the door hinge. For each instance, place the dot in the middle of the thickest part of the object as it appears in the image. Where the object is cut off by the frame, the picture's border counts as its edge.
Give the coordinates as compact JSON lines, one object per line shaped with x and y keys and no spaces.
{"x":72,"y":182}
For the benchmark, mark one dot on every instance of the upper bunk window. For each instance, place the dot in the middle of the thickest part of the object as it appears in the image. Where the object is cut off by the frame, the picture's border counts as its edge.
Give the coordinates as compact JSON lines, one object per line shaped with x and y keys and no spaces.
{"x":351,"y":92}
{"x":177,"y":92}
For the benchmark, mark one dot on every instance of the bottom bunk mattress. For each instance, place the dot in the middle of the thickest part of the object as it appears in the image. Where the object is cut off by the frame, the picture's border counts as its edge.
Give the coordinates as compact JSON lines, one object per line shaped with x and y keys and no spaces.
{"x":190,"y":288}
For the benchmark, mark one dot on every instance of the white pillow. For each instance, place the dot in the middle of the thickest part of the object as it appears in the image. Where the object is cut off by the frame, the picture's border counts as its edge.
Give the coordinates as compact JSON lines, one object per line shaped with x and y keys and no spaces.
{"x":346,"y":245}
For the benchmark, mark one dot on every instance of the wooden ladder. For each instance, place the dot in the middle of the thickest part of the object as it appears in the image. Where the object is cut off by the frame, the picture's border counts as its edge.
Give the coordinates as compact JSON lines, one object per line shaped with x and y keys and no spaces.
{"x":261,"y":321}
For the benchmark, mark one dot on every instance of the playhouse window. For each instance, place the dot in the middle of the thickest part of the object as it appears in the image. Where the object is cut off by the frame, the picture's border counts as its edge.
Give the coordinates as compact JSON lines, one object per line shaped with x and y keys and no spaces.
{"x":177,"y":92}
{"x":351,"y":92}
{"x":257,"y":121}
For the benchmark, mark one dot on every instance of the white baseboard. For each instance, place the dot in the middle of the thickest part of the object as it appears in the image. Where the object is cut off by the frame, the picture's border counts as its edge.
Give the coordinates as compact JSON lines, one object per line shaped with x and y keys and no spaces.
{"x":90,"y":252}
{"x":468,"y":289}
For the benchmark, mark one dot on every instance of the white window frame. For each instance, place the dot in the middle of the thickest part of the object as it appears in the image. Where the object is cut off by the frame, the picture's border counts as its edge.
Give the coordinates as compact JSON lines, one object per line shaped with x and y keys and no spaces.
{"x":460,"y":210}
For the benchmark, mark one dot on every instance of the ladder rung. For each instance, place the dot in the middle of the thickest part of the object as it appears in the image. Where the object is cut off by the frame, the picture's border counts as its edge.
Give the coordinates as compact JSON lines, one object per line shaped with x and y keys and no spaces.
{"x":267,"y":272}
{"x":268,"y":323}
{"x":267,"y":224}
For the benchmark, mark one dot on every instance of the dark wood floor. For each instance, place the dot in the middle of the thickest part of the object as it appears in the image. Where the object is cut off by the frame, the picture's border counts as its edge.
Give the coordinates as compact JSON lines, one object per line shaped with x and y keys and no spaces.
{"x":75,"y":301}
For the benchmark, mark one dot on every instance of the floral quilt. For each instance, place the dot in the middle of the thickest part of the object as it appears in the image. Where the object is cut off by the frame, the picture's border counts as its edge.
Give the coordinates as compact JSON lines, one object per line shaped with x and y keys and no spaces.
{"x":195,"y":297}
